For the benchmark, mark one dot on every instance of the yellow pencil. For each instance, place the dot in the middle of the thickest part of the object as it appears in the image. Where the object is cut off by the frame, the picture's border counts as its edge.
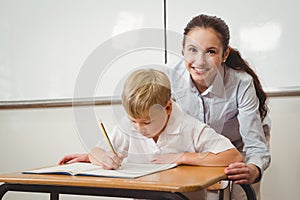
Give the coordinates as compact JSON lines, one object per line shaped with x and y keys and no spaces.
{"x":107,"y":138}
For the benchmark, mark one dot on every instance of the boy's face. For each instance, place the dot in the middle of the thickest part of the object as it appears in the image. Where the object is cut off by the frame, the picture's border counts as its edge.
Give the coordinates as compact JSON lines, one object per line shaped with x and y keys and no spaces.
{"x":151,"y":126}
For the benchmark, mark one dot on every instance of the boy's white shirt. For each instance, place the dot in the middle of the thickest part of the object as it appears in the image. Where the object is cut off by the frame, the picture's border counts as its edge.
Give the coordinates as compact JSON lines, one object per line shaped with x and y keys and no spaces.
{"x":183,"y":133}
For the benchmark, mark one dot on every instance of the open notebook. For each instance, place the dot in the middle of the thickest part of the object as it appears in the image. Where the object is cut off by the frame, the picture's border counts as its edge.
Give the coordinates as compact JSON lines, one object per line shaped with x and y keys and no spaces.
{"x":127,"y":170}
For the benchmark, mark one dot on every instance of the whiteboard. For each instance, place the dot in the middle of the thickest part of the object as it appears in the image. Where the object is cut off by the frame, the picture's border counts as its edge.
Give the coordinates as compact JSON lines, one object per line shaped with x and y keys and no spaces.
{"x":45,"y":43}
{"x":265,"y":32}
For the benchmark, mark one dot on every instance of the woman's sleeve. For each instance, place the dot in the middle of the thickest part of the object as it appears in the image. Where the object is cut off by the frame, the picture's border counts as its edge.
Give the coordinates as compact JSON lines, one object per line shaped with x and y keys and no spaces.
{"x":255,"y":147}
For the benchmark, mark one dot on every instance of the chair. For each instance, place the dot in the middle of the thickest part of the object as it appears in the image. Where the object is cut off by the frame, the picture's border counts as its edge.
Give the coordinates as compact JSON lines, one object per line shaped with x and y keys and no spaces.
{"x":222,"y":185}
{"x":219,"y":187}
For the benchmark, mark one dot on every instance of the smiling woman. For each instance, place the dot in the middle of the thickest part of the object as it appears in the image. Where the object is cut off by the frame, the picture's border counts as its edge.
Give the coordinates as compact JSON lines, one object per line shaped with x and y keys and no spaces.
{"x":221,"y":89}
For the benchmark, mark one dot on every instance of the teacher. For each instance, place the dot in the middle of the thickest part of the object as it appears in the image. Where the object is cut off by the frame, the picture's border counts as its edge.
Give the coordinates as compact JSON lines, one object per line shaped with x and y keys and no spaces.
{"x":220,"y":89}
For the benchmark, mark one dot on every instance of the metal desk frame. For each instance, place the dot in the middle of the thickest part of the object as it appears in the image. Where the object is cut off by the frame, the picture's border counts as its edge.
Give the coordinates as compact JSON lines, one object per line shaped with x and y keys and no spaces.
{"x":55,"y":190}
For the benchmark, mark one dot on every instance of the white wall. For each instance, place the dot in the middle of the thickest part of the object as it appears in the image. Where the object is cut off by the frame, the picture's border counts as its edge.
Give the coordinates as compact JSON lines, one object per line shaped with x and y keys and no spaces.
{"x":281,"y":179}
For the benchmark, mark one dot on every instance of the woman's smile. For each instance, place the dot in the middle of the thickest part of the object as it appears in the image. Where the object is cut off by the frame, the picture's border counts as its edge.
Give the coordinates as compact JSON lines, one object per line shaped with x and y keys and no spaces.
{"x":200,"y":71}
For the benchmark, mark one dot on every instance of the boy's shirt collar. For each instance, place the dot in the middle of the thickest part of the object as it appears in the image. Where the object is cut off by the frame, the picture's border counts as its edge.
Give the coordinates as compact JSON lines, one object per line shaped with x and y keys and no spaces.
{"x":174,"y":122}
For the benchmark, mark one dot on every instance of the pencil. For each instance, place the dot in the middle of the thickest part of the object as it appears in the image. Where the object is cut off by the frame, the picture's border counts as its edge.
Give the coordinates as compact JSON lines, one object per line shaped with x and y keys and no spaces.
{"x":107,"y":138}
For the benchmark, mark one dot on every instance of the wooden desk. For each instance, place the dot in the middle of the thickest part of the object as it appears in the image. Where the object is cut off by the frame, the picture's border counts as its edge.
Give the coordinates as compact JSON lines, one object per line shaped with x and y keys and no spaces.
{"x":167,"y":184}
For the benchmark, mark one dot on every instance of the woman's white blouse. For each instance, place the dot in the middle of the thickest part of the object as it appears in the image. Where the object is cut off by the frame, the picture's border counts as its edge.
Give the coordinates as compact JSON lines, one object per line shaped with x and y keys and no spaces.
{"x":229,"y":106}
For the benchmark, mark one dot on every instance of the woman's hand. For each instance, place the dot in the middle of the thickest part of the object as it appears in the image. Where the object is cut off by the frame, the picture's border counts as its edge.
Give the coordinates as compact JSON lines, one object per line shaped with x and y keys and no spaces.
{"x":74,"y":158}
{"x":241,"y":173}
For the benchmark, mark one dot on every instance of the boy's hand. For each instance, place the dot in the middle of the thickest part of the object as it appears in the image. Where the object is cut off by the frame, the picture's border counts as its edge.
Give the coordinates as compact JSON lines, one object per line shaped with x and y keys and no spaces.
{"x":74,"y":158}
{"x":108,"y":160}
{"x":111,"y":161}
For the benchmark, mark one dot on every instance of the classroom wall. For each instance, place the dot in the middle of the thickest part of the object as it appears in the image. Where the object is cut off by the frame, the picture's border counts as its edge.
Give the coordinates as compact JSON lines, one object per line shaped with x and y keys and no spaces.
{"x":281,"y":179}
{"x":39,"y":137}
{"x":44,"y":45}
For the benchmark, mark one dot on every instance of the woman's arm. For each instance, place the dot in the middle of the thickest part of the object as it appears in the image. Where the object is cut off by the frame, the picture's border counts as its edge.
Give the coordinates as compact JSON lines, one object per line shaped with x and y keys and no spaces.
{"x":256,"y":153}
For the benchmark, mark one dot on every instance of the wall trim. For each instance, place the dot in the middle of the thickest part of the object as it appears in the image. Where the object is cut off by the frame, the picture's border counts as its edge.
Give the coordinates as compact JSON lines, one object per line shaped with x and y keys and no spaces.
{"x":98,"y":101}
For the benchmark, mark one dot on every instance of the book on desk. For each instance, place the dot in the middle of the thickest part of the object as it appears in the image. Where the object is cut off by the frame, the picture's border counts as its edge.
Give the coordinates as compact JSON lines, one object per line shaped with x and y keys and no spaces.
{"x":127,"y":170}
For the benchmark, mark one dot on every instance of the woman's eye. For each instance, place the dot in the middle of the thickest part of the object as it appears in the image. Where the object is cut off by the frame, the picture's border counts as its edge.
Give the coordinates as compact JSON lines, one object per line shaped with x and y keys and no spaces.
{"x":192,"y":49}
{"x":146,"y":123}
{"x":211,"y":51}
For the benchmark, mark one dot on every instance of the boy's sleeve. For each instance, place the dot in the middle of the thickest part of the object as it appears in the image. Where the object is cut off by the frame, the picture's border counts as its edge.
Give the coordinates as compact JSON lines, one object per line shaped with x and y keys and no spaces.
{"x":207,"y":140}
{"x":119,"y":140}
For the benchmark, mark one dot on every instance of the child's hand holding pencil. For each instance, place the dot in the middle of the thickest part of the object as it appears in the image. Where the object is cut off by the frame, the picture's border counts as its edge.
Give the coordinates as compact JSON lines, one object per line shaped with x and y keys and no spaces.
{"x":108,"y":160}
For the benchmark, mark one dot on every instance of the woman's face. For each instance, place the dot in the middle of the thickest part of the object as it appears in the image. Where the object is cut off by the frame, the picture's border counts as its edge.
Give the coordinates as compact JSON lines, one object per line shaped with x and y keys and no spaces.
{"x":203,"y":53}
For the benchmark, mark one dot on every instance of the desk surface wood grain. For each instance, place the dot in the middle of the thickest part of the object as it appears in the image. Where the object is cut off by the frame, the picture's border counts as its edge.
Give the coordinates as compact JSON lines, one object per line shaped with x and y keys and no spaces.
{"x":179,"y":179}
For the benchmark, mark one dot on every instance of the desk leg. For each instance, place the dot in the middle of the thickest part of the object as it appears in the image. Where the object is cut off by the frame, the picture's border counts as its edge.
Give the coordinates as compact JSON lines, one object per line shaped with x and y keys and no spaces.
{"x":54,"y":191}
{"x":3,"y":190}
{"x":54,"y":196}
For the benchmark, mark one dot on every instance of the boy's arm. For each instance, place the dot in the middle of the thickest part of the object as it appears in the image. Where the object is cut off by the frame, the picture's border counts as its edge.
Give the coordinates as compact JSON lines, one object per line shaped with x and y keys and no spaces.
{"x":72,"y":158}
{"x":108,"y":160}
{"x":223,"y":158}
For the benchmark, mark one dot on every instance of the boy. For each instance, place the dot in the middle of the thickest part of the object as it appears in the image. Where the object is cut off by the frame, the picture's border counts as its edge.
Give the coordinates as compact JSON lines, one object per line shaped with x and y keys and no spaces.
{"x":156,"y":130}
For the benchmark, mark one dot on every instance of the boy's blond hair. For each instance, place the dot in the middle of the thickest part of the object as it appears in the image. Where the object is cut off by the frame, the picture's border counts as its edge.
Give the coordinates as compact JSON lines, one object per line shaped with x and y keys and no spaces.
{"x":143,"y":89}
